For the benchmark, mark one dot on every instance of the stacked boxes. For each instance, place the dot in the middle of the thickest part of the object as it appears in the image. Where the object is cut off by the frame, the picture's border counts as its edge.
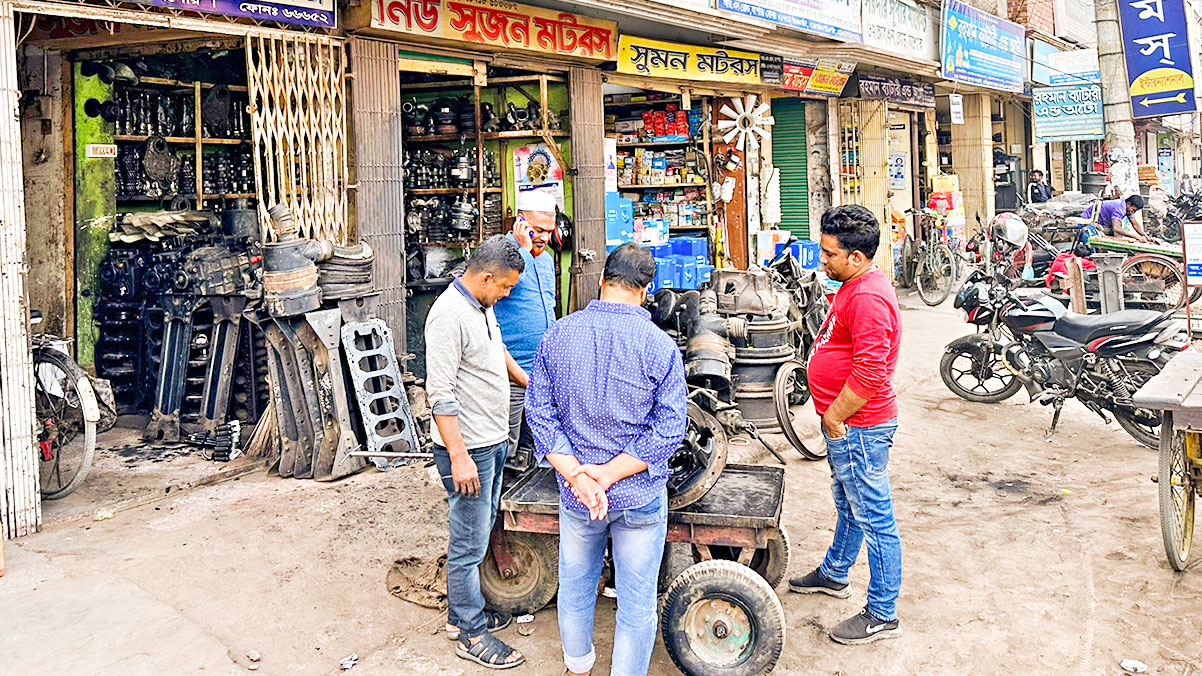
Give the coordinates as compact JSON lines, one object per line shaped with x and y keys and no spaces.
{"x":683,"y":263}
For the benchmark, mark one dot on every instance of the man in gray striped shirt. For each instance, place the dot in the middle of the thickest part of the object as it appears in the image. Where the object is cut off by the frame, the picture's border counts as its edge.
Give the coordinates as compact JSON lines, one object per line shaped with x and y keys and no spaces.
{"x":467,"y":382}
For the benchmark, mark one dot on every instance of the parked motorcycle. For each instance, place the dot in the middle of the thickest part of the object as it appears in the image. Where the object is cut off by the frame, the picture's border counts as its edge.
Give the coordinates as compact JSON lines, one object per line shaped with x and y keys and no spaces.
{"x":1036,"y":343}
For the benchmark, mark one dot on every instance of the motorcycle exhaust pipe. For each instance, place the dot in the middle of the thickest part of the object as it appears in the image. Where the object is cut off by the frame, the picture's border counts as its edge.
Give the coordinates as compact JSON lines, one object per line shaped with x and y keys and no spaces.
{"x":1034,"y":389}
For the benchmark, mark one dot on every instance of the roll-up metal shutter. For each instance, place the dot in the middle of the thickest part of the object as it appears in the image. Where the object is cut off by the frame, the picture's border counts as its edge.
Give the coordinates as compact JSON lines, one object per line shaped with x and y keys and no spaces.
{"x":791,"y":157}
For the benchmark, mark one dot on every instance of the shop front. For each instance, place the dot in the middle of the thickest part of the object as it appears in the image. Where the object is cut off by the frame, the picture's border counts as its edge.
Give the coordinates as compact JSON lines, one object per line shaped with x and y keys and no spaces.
{"x":143,"y":137}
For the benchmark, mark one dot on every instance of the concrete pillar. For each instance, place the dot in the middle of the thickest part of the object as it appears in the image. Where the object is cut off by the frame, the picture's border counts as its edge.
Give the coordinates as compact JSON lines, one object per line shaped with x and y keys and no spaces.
{"x":972,"y":157}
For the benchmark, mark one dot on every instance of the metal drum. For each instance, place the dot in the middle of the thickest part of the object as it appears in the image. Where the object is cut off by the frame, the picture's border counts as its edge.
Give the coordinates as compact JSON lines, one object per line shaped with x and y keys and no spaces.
{"x":769,"y":345}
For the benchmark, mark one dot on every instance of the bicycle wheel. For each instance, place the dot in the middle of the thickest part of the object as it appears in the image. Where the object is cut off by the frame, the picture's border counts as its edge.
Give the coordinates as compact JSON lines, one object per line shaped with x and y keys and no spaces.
{"x":67,"y":412}
{"x":909,"y":261}
{"x":936,"y":275}
{"x":1175,"y":485}
{"x":1143,"y":272}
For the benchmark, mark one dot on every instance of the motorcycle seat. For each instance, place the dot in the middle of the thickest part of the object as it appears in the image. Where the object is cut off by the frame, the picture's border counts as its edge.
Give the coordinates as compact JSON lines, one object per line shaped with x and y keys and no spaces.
{"x":1086,"y":328}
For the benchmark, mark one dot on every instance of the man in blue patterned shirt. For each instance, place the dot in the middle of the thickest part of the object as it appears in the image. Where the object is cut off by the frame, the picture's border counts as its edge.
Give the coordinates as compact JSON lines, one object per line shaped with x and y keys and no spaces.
{"x":608,"y":406}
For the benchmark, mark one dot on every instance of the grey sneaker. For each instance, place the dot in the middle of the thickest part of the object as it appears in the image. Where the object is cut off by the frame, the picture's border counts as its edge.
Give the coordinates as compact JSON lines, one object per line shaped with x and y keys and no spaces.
{"x":813,"y":583}
{"x":863,"y":628}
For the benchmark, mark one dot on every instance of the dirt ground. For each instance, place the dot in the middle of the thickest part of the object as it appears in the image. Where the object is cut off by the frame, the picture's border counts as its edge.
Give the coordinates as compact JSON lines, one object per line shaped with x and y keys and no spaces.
{"x":1021,"y":556}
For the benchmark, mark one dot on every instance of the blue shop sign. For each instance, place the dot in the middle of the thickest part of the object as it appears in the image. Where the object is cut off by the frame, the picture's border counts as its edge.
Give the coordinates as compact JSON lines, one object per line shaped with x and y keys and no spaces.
{"x":1156,"y":45}
{"x":981,"y":49}
{"x":1072,"y":113}
{"x":838,"y":19}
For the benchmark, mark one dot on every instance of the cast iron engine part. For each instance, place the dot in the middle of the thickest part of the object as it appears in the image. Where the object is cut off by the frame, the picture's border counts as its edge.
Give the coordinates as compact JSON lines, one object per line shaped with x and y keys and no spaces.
{"x":415,"y":117}
{"x":489,"y":121}
{"x":494,"y":224}
{"x":516,"y":119}
{"x":562,"y":239}
{"x":445,"y":117}
{"x":215,"y":112}
{"x":383,"y":405}
{"x":160,"y":165}
{"x":463,"y":167}
{"x":467,"y":115}
{"x":174,"y":365}
{"x":223,"y":443}
{"x":240,"y":222}
{"x":289,"y":271}
{"x":322,"y":336}
{"x":463,"y":216}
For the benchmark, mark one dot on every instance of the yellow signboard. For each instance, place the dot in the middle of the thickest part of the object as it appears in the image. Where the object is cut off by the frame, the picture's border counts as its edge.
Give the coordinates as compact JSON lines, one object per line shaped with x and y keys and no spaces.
{"x":498,"y":23}
{"x":639,"y":56}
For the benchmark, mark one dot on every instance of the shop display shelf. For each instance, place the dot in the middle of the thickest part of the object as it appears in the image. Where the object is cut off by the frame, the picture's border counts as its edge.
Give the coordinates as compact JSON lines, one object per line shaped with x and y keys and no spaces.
{"x":230,"y":196}
{"x":523,"y":134}
{"x":648,"y":186}
{"x":449,"y":191}
{"x":165,"y":82}
{"x":438,"y":138}
{"x":182,"y":140}
{"x":657,"y":144}
{"x":146,"y":198}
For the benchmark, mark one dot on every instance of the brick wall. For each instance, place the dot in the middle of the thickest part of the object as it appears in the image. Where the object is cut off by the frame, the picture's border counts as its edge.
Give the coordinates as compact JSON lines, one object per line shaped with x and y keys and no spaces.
{"x":1036,"y":14}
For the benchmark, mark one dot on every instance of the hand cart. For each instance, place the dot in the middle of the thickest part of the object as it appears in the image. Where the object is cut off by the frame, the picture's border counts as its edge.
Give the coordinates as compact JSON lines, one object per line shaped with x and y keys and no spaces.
{"x":1176,"y":392}
{"x":719,"y":616}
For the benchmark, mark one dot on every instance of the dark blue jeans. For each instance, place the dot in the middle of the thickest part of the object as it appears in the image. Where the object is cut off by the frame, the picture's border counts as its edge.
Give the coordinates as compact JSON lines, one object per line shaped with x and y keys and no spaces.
{"x":860,"y":485}
{"x":471,"y":520}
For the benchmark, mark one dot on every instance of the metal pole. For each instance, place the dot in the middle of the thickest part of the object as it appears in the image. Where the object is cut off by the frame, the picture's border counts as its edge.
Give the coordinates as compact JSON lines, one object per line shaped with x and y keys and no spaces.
{"x":1116,"y":105}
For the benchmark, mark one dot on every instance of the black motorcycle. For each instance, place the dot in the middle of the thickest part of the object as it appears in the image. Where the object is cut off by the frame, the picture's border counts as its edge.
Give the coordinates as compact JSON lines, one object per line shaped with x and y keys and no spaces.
{"x":1037,"y":343}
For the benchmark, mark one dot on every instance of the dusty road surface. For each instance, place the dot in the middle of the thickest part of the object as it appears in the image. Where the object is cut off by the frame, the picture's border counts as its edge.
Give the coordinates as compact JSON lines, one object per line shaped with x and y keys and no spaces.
{"x":1021,"y":557}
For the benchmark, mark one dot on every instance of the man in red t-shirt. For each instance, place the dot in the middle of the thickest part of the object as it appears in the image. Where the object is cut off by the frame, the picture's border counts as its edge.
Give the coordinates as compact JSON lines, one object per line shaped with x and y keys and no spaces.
{"x":850,"y":372}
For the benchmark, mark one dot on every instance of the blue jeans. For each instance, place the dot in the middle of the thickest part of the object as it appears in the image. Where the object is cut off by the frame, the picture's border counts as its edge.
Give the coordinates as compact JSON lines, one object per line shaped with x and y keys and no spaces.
{"x":638,"y":545}
{"x":860,"y":484}
{"x":471,"y":521}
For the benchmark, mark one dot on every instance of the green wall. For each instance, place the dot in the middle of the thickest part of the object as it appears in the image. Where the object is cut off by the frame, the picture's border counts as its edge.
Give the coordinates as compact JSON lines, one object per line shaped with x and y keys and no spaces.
{"x":95,"y":210}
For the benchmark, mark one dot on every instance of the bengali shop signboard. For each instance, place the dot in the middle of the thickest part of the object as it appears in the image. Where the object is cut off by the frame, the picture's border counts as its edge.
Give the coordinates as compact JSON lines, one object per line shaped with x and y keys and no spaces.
{"x":1156,"y":44}
{"x":640,"y":56}
{"x":1072,"y":113}
{"x":838,"y":19}
{"x":301,"y":12}
{"x":496,"y":23}
{"x":823,"y":77}
{"x":981,"y":49}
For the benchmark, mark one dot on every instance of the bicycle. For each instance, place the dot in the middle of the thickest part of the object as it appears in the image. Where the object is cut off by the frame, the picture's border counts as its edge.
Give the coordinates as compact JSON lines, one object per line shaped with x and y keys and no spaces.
{"x":67,"y":413}
{"x":930,"y":264}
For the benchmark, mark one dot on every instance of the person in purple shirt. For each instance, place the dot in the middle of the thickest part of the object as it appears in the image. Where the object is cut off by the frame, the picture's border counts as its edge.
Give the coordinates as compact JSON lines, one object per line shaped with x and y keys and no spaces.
{"x":608,"y":406}
{"x":1118,"y":218}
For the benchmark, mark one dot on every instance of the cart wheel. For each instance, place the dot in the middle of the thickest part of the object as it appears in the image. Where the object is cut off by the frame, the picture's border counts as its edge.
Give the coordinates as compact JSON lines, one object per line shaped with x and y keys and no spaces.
{"x":772,"y":562}
{"x":1176,"y":488}
{"x":536,"y":558}
{"x":789,"y":378}
{"x":697,"y":464}
{"x":721,"y":619}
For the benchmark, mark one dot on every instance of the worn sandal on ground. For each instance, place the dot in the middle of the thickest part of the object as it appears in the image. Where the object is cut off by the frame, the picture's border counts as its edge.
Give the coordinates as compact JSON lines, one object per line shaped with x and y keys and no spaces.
{"x":496,"y":621}
{"x":489,"y":651}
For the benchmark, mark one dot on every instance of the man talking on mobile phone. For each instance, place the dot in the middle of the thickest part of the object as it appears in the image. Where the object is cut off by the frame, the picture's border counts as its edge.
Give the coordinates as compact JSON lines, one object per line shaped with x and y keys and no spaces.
{"x":527,"y":313}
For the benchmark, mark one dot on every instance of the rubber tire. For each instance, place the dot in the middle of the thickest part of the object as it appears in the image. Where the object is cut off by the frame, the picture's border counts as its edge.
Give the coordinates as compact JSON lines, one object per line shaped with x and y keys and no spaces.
{"x":1137,"y":431}
{"x":784,"y":415}
{"x":943,"y":289}
{"x":539,"y":548}
{"x":772,"y":562}
{"x":736,"y":584}
{"x":64,"y":363}
{"x":1178,"y":557}
{"x":909,"y":258}
{"x":945,"y":372}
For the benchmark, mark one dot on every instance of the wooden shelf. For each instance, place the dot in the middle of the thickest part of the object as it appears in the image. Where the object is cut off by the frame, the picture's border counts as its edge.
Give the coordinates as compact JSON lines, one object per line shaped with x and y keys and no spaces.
{"x":438,"y":138}
{"x":653,"y":144}
{"x":662,"y":185}
{"x":182,"y":140}
{"x":165,"y":82}
{"x":627,"y":104}
{"x":448,"y":191}
{"x":230,"y":196}
{"x":523,"y":134}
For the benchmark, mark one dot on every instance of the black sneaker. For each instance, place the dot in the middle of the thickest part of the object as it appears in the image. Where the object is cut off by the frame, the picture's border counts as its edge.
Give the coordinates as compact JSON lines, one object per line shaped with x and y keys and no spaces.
{"x":863,"y":628}
{"x":813,"y":583}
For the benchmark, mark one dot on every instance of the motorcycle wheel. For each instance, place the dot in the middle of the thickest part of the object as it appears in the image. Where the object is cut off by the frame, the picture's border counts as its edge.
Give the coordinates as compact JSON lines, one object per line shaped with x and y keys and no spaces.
{"x":1142,"y":425}
{"x":988,"y":383}
{"x":1149,"y":267}
{"x":936,"y":274}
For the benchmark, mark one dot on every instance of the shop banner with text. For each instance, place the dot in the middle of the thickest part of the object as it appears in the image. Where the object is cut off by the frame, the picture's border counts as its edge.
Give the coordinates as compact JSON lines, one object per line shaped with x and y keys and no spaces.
{"x":897,"y":90}
{"x":500,"y":24}
{"x":1072,"y":113}
{"x":300,"y":12}
{"x":901,"y":27}
{"x":823,"y":77}
{"x":640,"y":56}
{"x":979,"y":48}
{"x":838,"y":19}
{"x":1156,"y":44}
